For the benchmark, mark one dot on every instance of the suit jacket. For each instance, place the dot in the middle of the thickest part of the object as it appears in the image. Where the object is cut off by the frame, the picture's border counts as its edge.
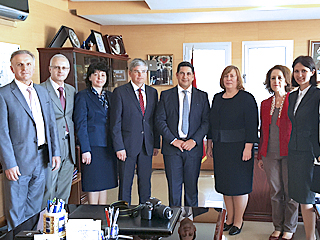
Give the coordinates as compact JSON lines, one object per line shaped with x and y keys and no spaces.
{"x":305,"y":123}
{"x":167,"y":119}
{"x":19,"y":144}
{"x":283,"y":123}
{"x":63,"y":117}
{"x":91,"y":120}
{"x":130,"y":129}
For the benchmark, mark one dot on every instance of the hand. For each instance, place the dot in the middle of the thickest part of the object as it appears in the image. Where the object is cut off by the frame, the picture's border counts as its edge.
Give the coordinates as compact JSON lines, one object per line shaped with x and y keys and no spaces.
{"x":56,"y":163}
{"x":13,"y":173}
{"x":318,"y":159}
{"x":189,"y":144}
{"x":246,"y":155}
{"x":177,"y":143}
{"x":122,"y":155}
{"x":209,"y":148}
{"x":260,"y":164}
{"x":86,"y":158}
{"x":155,"y":151}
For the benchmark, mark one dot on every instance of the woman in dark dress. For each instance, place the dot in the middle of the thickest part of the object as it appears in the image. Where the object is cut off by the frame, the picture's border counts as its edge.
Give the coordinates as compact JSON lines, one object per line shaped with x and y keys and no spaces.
{"x":91,"y":120}
{"x":233,"y":130}
{"x":273,"y":151}
{"x":304,"y":146}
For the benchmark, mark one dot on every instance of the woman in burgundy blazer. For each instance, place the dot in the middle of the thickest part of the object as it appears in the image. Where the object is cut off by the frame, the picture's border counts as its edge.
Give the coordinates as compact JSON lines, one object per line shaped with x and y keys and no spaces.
{"x":273,"y":151}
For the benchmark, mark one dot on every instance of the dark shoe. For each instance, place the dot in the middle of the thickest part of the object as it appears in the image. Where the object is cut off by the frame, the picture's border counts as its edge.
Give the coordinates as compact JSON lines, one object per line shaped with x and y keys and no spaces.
{"x":274,"y":238}
{"x":226,"y":227}
{"x":235,"y":230}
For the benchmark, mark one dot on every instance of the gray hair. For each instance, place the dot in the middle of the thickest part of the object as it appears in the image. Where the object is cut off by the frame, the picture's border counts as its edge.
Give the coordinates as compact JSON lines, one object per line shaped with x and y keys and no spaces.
{"x":137,"y":62}
{"x":58,"y":55}
{"x":22,"y":52}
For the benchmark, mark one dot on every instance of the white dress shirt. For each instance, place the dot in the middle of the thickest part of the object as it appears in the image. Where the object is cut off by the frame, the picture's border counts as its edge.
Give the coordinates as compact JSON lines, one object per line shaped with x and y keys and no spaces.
{"x":143,"y":92}
{"x":37,"y":112}
{"x":299,"y":98}
{"x":181,"y":96}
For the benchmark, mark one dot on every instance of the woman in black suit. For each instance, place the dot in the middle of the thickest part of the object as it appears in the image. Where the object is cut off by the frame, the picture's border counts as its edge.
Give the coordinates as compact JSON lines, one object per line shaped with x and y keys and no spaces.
{"x":304,"y":146}
{"x":91,"y":120}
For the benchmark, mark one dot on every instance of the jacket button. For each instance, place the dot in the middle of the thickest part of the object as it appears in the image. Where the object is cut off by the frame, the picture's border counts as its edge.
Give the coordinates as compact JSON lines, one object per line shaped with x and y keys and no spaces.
{"x":142,"y":132}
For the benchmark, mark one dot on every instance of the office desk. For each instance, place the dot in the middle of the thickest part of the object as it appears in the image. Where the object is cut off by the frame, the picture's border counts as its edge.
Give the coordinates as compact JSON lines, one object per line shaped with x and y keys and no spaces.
{"x":208,"y":223}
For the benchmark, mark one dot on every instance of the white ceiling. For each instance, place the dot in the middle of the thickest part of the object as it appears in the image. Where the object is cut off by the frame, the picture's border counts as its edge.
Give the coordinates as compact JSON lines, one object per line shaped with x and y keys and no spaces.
{"x":208,"y":11}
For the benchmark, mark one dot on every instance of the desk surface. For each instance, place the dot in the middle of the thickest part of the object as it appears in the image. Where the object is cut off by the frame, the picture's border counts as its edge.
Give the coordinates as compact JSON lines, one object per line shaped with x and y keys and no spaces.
{"x":208,"y":222}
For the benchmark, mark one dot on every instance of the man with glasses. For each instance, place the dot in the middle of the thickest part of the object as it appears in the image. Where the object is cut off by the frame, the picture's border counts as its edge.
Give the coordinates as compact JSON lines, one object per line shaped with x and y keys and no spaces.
{"x":62,"y":97}
{"x":134,"y":137}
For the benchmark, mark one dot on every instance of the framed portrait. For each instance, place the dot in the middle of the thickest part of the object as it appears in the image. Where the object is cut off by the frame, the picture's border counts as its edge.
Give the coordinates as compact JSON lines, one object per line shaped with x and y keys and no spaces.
{"x":314,"y":52}
{"x":163,"y":74}
{"x":115,"y":45}
{"x":97,"y":39}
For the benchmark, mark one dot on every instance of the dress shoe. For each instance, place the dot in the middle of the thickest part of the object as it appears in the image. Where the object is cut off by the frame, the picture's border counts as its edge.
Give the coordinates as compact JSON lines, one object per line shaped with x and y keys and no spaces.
{"x":274,"y":237}
{"x":226,"y":227}
{"x":235,"y":230}
{"x":287,"y":238}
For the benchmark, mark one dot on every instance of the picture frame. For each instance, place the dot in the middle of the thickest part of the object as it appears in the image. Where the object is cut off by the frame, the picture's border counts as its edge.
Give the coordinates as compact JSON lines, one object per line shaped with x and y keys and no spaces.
{"x":314,"y":52}
{"x":98,"y":40}
{"x":61,"y":37}
{"x":115,"y":45}
{"x":163,"y":74}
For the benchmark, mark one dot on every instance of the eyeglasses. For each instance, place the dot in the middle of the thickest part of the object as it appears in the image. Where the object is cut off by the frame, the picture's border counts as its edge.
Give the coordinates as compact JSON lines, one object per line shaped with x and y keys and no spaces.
{"x":60,"y":68}
{"x":140,"y":71}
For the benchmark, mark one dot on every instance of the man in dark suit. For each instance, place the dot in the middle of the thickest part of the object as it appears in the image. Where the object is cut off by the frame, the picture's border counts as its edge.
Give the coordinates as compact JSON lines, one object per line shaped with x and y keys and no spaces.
{"x":182,"y":120}
{"x":62,"y":96}
{"x":29,"y":141}
{"x":134,"y":137}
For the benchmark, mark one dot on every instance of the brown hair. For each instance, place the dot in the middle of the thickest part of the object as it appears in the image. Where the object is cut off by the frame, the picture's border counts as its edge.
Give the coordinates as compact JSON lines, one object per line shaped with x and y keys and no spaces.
{"x":287,"y":76}
{"x":227,"y":70}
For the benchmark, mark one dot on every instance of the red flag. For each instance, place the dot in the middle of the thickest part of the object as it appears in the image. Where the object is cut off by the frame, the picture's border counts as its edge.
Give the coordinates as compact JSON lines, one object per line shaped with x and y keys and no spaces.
{"x":194,"y":84}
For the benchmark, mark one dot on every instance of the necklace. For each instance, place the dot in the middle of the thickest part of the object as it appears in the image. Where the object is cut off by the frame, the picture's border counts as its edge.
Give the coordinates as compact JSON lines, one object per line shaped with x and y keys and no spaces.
{"x":273,"y":105}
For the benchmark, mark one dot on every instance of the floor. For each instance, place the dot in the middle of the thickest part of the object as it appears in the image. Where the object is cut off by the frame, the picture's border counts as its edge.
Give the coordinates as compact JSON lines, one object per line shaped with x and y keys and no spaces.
{"x":208,"y":197}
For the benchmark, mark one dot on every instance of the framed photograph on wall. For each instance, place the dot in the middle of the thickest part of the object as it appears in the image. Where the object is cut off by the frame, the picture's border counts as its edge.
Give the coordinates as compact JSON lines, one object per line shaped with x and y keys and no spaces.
{"x":115,"y":45}
{"x":97,"y":39}
{"x":163,"y":74}
{"x":314,"y":52}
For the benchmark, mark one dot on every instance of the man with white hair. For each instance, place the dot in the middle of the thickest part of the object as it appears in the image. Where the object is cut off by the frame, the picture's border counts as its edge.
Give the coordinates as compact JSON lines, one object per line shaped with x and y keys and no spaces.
{"x":62,"y":97}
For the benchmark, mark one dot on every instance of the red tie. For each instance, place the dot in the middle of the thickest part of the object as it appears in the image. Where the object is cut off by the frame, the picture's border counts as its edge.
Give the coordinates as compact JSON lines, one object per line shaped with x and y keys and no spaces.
{"x":141,"y":101}
{"x":63,"y":102}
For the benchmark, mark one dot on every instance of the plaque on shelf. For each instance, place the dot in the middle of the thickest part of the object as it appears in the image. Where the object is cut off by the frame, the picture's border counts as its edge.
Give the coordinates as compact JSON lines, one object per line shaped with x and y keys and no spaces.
{"x":62,"y":35}
{"x":115,"y":45}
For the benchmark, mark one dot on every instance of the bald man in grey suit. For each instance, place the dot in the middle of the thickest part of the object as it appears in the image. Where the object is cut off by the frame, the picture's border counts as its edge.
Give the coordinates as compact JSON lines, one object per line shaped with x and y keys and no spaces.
{"x":29,"y":141}
{"x":59,"y":184}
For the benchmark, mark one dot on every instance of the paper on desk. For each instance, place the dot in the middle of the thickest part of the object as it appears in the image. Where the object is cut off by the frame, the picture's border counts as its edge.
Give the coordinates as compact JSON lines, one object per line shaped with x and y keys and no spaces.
{"x":83,"y":229}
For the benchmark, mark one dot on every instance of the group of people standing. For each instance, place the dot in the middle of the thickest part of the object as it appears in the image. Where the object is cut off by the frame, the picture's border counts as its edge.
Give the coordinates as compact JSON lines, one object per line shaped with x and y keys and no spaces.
{"x":119,"y":133}
{"x":288,"y":145}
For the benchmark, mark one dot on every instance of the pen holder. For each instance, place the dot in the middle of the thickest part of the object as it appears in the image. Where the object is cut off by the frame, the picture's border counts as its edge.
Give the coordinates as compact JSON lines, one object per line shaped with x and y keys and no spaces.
{"x":55,"y":223}
{"x":112,"y":233}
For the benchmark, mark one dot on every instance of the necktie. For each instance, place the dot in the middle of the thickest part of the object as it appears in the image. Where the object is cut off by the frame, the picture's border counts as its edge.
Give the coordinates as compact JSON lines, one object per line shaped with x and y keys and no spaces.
{"x":185,"y":113}
{"x":63,"y":102}
{"x":29,"y":89}
{"x":62,"y":99}
{"x":141,"y":101}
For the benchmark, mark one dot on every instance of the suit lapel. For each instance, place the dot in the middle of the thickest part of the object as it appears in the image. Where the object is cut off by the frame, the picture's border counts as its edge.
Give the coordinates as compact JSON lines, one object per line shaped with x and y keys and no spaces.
{"x":53,"y":95}
{"x":175,"y":100}
{"x":306,"y":98}
{"x":17,"y":93}
{"x":95,"y":99}
{"x":133,"y":96}
{"x":68,"y":97}
{"x":42,"y":100}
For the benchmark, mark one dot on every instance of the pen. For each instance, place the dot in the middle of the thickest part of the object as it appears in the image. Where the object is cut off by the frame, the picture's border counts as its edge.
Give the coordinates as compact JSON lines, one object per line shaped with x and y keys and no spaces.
{"x":116,"y":217}
{"x":107,"y":217}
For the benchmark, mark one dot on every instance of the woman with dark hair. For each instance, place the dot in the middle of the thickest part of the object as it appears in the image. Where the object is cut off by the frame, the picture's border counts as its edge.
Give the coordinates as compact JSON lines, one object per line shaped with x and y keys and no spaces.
{"x":233,"y":130}
{"x":91,"y":120}
{"x":304,"y":146}
{"x":273,"y":151}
